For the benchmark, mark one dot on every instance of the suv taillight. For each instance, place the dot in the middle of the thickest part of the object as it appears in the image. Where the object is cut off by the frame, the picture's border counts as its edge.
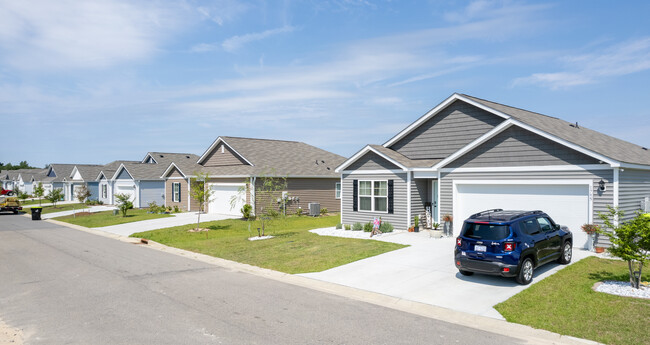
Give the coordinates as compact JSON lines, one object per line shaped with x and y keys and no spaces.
{"x":459,"y":241}
{"x":509,"y":246}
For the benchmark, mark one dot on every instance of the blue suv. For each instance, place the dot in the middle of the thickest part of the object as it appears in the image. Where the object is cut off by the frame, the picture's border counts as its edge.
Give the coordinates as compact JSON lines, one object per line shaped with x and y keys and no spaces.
{"x":511,"y":244}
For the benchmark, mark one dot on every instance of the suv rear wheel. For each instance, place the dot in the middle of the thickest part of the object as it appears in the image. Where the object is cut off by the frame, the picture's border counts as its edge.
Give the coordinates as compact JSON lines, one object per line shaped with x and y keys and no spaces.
{"x":526,"y":271}
{"x":567,"y":253}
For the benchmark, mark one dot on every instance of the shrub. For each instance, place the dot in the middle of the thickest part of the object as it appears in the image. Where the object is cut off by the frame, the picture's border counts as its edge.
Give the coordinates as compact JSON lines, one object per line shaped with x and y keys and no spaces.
{"x":273,"y":213}
{"x":367,"y":227}
{"x":357,"y":226}
{"x":246,"y":211}
{"x":347,"y":227}
{"x":123,"y":203}
{"x":153,"y":207}
{"x":323,"y":210}
{"x":176,"y":209}
{"x":386,"y":227}
{"x":339,"y":226}
{"x":299,"y":212}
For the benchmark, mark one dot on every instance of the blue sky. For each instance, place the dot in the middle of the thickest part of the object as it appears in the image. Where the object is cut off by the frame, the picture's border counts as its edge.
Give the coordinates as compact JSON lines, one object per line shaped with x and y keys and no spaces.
{"x":92,"y":82}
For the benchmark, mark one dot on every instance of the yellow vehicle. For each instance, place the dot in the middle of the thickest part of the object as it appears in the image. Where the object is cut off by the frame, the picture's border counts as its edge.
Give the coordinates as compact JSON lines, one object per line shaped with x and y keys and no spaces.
{"x":10,"y":203}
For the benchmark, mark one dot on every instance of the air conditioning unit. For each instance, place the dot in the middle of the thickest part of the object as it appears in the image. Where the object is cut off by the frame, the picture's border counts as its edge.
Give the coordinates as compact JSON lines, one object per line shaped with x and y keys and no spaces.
{"x":314,"y":209}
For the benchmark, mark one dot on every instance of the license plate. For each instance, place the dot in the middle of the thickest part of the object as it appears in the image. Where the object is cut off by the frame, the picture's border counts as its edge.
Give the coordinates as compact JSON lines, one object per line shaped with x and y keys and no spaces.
{"x":480,"y":248}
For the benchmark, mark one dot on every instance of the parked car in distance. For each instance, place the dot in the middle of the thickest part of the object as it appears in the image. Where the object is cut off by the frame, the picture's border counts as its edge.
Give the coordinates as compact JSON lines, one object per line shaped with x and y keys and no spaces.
{"x":511,"y":244}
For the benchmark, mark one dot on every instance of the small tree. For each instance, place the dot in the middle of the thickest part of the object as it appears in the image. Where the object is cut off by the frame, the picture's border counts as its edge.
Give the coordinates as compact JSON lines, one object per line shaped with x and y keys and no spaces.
{"x":38,"y":192}
{"x":630,"y":241}
{"x":123,"y":203}
{"x":201,"y":195}
{"x":83,"y":193}
{"x":55,"y":195}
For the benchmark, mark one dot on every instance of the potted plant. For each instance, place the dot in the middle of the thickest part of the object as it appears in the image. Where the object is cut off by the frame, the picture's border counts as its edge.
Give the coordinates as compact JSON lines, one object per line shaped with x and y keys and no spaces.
{"x":416,"y":223}
{"x":435,"y":226}
{"x":449,"y":224}
{"x":410,"y":229}
{"x":591,"y":230}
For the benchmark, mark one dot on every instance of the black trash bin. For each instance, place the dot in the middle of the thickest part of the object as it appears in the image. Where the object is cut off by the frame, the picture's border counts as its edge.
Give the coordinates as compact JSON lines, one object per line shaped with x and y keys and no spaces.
{"x":36,"y":213}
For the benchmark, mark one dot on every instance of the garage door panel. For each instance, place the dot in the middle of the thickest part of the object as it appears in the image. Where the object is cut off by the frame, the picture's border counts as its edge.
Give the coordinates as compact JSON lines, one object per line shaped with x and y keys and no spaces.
{"x":222,"y":195}
{"x":568,"y":205}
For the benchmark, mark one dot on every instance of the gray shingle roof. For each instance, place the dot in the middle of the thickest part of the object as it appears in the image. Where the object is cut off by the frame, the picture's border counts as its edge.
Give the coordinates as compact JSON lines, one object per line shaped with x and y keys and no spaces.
{"x":89,"y":172}
{"x":149,"y":171}
{"x":278,"y":157}
{"x":62,"y":171}
{"x":405,"y":161}
{"x":603,"y":144}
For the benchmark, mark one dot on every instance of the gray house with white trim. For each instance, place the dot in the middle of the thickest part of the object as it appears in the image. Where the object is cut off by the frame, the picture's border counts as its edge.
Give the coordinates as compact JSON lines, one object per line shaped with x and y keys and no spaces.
{"x":467,"y":155}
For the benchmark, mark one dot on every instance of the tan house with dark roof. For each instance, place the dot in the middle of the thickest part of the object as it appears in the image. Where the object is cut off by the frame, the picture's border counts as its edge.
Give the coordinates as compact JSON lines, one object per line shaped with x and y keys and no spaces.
{"x":233,"y":164}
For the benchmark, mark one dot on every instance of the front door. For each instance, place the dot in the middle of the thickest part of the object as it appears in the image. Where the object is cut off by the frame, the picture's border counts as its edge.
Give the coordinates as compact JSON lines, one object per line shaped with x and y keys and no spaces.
{"x":434,"y":203}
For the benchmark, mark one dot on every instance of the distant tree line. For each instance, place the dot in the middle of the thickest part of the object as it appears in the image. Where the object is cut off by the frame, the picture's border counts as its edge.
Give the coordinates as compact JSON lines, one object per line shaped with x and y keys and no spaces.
{"x":21,"y":165}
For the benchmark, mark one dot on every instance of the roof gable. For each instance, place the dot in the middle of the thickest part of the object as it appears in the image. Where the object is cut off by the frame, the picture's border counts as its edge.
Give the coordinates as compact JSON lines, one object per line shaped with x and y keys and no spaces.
{"x":516,"y":146}
{"x":211,"y":150}
{"x":445,"y":131}
{"x":51,"y":173}
{"x":223,"y":155}
{"x":123,"y":174}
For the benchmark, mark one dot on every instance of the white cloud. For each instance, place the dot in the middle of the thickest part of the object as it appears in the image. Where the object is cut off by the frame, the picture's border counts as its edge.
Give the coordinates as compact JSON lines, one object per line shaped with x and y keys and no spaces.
{"x":613,"y":61}
{"x":223,"y":11}
{"x":44,"y":35}
{"x":236,"y":42}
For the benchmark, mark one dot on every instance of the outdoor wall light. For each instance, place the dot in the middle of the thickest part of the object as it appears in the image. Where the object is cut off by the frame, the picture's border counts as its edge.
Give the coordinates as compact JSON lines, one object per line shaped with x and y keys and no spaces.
{"x":601,"y":185}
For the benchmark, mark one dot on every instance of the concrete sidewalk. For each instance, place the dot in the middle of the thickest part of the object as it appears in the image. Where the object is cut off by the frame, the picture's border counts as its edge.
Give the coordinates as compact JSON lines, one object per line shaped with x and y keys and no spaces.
{"x":178,"y":219}
{"x":425,"y":272}
{"x":91,"y":209}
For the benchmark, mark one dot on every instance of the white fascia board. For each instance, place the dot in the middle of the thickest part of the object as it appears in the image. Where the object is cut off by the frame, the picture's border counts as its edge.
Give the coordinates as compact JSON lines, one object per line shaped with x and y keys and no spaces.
{"x":73,"y":171}
{"x":214,"y":145}
{"x":635,"y":166}
{"x":588,"y":182}
{"x":431,"y":113}
{"x":363,"y":152}
{"x":611,"y":162}
{"x":99,"y":176}
{"x":474,"y":144}
{"x":169,"y":168}
{"x":425,"y":174}
{"x":585,"y":167}
{"x":371,"y":172}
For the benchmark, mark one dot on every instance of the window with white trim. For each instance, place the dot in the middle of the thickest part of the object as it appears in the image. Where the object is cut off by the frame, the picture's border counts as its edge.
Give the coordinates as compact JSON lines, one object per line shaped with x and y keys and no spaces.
{"x":104,"y":191}
{"x":338,"y":190}
{"x":176,"y":192}
{"x":373,"y":196}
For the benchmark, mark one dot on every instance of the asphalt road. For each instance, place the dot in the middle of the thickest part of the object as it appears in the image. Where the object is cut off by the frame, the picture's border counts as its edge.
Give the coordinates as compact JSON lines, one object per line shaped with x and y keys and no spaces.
{"x":64,"y":286}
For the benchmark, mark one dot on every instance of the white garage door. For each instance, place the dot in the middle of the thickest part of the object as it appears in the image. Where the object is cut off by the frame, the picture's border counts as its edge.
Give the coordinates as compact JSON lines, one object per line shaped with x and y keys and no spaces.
{"x":568,"y":205}
{"x":220,"y":200}
{"x":128,"y":190}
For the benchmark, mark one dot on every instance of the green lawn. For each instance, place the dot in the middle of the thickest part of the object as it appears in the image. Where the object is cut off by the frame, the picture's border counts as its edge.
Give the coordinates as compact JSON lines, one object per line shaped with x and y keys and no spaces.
{"x":28,"y":202}
{"x":62,"y":207}
{"x":293,"y":250}
{"x":565,"y":303}
{"x":107,"y":218}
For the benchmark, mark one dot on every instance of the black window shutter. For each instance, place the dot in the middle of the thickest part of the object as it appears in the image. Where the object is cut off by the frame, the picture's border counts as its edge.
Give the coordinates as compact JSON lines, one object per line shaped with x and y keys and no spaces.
{"x":179,"y":191}
{"x":355,"y":195}
{"x":390,"y":196}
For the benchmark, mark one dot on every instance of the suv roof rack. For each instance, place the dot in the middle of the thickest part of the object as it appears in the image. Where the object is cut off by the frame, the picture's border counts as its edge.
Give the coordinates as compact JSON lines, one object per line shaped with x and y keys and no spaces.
{"x":527,"y":214}
{"x":476,"y":215}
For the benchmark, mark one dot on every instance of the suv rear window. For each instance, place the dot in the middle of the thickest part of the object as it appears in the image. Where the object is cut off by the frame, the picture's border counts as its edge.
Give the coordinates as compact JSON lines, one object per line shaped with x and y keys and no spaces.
{"x":488,"y":232}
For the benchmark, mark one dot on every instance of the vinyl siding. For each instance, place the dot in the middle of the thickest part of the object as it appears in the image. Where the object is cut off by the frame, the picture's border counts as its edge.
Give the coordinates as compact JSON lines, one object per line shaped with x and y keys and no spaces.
{"x":600,"y":201}
{"x":372,"y":161}
{"x":448,"y":131}
{"x":397,"y":219}
{"x":124,"y":175}
{"x":228,"y":157}
{"x":93,"y":187}
{"x":182,"y":205}
{"x":518,"y":147}
{"x":634,"y":186}
{"x":152,"y":191}
{"x":419,"y":196}
{"x":307,"y":190}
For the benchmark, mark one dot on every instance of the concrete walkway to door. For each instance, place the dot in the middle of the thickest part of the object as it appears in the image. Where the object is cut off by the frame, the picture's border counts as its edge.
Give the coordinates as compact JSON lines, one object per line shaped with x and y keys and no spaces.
{"x":425,"y":272}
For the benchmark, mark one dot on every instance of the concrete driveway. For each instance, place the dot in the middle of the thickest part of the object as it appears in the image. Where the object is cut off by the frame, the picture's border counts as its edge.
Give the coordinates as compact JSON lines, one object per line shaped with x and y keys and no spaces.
{"x":425,"y":272}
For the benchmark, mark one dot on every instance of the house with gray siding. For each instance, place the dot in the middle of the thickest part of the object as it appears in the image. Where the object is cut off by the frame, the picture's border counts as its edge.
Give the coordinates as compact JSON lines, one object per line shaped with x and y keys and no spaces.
{"x":468,"y":155}
{"x":141,"y":180}
{"x":84,"y":174}
{"x":236,"y":168}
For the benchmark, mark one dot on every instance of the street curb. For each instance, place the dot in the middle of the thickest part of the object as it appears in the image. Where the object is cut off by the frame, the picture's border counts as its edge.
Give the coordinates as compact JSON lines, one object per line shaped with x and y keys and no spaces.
{"x":528,"y":334}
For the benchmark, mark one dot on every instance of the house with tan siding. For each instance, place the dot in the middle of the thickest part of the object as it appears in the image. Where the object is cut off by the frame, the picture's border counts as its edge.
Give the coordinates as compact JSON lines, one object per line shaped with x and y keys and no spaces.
{"x":237,"y":167}
{"x":468,"y":155}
